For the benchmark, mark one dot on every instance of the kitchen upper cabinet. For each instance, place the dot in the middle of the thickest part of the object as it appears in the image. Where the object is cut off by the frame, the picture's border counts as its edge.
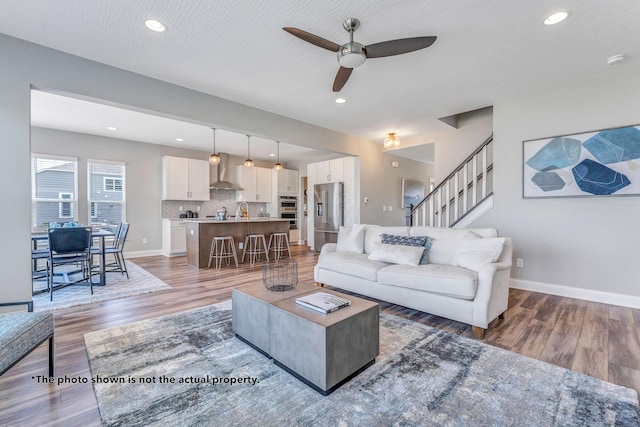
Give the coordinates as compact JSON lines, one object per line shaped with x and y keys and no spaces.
{"x":185,"y":179}
{"x":330,"y":171}
{"x":287,"y":181}
{"x":256,"y":182}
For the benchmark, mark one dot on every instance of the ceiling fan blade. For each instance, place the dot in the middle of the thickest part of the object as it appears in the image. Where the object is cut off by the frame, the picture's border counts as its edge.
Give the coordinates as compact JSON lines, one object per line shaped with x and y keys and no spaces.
{"x":341,"y":78}
{"x":313,"y":39}
{"x":397,"y":47}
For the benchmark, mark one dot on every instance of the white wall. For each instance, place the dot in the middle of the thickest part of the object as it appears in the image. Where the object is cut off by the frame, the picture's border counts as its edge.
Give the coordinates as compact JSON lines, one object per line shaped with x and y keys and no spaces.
{"x":26,"y":65}
{"x":584,"y":247}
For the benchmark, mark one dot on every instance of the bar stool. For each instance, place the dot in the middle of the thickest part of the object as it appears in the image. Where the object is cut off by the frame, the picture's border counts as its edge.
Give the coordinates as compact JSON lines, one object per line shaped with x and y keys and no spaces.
{"x":222,"y":247}
{"x":255,"y":245}
{"x":278,"y":243}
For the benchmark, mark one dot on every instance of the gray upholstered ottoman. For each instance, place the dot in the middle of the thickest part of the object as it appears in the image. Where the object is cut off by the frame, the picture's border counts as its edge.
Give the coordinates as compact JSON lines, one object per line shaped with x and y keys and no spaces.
{"x":21,"y":333}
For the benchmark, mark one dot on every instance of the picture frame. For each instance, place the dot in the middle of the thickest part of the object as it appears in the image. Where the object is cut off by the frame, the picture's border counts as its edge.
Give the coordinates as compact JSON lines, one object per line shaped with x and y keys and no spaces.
{"x":412,"y":192}
{"x":600,"y":163}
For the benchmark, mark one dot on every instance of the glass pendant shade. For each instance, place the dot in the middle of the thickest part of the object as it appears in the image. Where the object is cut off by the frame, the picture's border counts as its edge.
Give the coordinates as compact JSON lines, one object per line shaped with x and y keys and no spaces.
{"x":391,"y":140}
{"x":278,"y":165}
{"x":248,"y":163}
{"x":214,"y":159}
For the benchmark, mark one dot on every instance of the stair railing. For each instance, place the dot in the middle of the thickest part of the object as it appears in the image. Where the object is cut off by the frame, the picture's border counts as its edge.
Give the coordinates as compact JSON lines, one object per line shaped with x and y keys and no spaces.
{"x":465,"y":188}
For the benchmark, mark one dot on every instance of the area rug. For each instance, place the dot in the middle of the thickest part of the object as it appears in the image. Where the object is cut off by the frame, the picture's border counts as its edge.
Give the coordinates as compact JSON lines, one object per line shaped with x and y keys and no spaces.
{"x":189,"y":369}
{"x":118,"y":286}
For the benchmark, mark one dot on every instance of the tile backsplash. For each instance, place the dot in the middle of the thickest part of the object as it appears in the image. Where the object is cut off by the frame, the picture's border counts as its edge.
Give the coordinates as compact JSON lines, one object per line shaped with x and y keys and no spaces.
{"x":220,"y":198}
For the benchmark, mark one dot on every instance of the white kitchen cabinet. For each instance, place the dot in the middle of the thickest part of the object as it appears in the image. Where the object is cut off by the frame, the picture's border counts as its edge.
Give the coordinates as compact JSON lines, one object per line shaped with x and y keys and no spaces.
{"x":185,"y":179}
{"x":174,"y":237}
{"x":257,"y":184}
{"x":287,"y":180}
{"x":330,"y":171}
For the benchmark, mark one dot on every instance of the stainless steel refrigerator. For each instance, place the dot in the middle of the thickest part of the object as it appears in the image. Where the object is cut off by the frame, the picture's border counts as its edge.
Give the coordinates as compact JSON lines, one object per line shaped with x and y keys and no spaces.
{"x":328,"y":213}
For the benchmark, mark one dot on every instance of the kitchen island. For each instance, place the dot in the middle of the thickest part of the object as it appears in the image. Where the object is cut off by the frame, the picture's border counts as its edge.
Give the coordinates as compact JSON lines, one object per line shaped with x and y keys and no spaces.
{"x":200,"y":233}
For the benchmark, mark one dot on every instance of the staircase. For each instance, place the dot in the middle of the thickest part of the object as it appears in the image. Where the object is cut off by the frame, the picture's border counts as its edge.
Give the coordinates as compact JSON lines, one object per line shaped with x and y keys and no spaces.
{"x":464,"y":195}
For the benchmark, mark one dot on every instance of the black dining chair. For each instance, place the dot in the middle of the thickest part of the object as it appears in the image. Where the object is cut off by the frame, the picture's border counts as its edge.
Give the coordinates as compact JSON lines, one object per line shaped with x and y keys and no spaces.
{"x":69,"y":246}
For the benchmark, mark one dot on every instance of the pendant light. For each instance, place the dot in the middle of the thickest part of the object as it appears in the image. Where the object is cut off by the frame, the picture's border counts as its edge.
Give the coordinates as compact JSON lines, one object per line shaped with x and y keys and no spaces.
{"x":391,"y":140}
{"x":278,"y":165}
{"x":214,"y":159}
{"x":248,"y":163}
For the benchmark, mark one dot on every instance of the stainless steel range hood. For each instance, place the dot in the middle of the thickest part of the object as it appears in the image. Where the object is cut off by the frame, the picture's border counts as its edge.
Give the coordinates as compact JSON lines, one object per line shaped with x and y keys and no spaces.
{"x":223,"y":174}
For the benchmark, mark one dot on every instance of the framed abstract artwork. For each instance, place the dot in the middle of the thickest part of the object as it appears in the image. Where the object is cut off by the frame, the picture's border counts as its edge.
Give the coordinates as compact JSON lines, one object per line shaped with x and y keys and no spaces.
{"x":412,"y":192}
{"x":599,"y":163}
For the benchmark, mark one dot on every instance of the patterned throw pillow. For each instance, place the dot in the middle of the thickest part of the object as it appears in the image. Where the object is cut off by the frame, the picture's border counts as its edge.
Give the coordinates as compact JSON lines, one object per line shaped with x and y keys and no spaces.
{"x":391,"y":239}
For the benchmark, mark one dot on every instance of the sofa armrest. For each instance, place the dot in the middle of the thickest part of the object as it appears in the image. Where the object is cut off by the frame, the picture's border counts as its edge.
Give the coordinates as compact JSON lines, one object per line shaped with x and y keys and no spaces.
{"x":328,"y":247}
{"x":502,"y":266}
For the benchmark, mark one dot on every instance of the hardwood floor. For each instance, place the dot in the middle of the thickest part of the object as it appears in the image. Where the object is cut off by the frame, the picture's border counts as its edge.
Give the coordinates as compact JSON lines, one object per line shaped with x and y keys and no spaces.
{"x":592,"y":338}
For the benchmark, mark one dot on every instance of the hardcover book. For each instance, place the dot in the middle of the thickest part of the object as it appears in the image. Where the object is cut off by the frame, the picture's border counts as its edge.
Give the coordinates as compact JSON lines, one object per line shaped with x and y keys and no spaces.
{"x":323,"y":302}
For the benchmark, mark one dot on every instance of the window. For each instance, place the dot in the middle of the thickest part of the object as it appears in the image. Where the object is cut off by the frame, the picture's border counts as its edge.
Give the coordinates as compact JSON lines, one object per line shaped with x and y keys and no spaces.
{"x":112,"y":184}
{"x":106,"y":192}
{"x":93,"y":209}
{"x":65,"y":209}
{"x":54,"y":187}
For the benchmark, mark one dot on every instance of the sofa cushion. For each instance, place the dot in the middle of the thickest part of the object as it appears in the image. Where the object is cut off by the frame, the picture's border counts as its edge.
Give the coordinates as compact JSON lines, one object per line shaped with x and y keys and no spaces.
{"x":397,"y":254}
{"x":358,"y":265}
{"x":475,"y":253}
{"x":351,"y":239}
{"x":444,"y":242}
{"x":372,"y":234}
{"x":456,"y":282}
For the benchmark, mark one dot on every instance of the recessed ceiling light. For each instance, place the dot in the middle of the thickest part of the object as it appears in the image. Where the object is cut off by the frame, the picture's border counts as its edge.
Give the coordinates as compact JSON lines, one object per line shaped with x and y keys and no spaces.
{"x":179,"y":139}
{"x":111,"y":128}
{"x":340,"y":100}
{"x":271,"y":155}
{"x":556,"y":18}
{"x":154,"y":25}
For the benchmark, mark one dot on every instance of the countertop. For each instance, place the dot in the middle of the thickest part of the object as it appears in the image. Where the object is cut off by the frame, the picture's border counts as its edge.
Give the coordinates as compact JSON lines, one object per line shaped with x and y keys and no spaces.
{"x":233,"y":221}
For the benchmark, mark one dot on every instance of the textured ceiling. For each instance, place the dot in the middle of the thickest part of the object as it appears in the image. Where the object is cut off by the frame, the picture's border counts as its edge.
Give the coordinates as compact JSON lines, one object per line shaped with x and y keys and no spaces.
{"x":486,"y":51}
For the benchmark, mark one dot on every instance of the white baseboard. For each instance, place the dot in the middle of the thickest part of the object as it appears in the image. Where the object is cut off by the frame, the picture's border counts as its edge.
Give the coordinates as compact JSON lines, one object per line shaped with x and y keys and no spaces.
{"x":578,"y":293}
{"x":138,"y":254}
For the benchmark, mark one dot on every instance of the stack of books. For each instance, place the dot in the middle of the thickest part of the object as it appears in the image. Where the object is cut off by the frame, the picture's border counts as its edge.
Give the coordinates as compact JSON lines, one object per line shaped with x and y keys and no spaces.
{"x":323,"y":302}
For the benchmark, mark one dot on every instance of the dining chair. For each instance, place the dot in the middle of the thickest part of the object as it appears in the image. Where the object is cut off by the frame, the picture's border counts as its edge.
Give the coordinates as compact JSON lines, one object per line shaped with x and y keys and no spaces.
{"x":69,"y":246}
{"x":118,"y":265}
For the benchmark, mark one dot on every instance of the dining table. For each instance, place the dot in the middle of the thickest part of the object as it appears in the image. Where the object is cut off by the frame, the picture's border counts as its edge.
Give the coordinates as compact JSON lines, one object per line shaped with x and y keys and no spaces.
{"x":96,"y":233}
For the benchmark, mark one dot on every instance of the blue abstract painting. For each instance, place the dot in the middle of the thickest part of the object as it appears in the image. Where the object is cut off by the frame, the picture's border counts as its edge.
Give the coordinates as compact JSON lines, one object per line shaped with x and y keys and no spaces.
{"x":599,"y":163}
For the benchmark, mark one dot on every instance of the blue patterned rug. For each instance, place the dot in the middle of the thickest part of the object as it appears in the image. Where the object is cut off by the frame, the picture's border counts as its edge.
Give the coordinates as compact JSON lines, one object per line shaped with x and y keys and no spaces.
{"x":189,"y":369}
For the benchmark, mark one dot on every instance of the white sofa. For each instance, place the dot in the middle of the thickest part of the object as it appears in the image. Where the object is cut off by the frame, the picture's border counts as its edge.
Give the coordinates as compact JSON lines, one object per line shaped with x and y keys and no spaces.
{"x":463,"y":281}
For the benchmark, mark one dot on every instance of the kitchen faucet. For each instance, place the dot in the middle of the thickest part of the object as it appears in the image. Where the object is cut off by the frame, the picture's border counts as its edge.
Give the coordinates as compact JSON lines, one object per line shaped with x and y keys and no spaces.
{"x":242,"y":212}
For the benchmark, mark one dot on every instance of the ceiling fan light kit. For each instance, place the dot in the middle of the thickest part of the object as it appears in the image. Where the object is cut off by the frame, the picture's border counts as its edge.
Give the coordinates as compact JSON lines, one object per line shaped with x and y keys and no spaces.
{"x":353,"y":54}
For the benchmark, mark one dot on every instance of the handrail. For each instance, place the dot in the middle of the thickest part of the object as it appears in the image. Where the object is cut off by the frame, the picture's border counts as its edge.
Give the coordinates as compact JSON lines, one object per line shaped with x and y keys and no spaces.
{"x":440,"y":199}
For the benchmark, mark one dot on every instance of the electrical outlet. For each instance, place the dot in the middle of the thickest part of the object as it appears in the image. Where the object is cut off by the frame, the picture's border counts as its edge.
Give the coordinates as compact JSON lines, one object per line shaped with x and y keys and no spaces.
{"x":197,"y":208}
{"x":366,"y":200}
{"x":180,"y":208}
{"x":240,"y":245}
{"x":390,"y":208}
{"x":384,"y":209}
{"x":520,"y":262}
{"x":144,"y":240}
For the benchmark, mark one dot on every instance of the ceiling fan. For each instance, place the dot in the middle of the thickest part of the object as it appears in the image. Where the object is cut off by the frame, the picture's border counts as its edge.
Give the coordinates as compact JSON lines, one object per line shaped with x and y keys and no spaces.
{"x":353,"y":54}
